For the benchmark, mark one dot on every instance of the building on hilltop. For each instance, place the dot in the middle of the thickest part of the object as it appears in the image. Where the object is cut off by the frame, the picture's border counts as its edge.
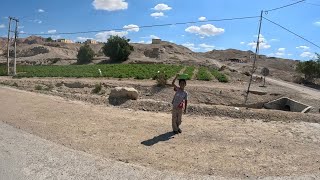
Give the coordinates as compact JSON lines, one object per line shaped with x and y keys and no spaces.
{"x":156,"y":41}
{"x":91,"y":41}
{"x":64,"y":41}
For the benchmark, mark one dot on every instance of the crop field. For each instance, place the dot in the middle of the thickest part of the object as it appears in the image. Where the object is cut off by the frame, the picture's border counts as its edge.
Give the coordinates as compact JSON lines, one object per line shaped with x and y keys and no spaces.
{"x":219,"y":76}
{"x":136,"y":71}
{"x":203,"y":74}
{"x":189,"y":70}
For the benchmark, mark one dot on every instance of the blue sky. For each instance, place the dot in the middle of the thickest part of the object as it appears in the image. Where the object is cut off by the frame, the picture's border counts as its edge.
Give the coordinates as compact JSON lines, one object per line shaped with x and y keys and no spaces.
{"x":44,"y":16}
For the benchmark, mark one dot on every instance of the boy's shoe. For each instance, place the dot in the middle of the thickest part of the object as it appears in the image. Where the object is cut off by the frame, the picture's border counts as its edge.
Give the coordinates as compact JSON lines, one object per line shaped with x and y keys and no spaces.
{"x":176,"y":132}
{"x":179,"y":130}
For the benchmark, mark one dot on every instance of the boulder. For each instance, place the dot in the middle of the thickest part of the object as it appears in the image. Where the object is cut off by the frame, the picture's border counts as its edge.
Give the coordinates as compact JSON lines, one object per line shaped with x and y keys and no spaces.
{"x":124,"y":93}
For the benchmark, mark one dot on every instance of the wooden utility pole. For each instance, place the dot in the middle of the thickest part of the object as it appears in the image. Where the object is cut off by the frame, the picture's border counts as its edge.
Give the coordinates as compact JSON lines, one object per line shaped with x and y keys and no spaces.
{"x":8,"y":45}
{"x":255,"y":59}
{"x":15,"y":48}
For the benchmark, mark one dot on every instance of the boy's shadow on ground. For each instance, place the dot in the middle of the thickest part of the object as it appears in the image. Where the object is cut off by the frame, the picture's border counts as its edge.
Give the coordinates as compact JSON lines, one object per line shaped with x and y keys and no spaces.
{"x":163,"y":137}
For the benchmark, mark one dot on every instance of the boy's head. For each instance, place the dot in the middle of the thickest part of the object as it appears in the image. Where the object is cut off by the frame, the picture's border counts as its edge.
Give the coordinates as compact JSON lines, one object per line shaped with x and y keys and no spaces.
{"x":182,"y":83}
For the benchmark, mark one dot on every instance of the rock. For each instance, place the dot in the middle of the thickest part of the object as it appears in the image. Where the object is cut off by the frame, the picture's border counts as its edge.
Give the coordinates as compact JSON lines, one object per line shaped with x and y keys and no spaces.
{"x":124,"y":92}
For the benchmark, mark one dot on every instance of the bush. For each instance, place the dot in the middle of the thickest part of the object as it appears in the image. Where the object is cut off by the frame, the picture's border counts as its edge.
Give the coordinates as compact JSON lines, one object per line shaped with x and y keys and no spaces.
{"x":161,"y":78}
{"x":97,"y":88}
{"x":85,"y":55}
{"x":38,"y":87}
{"x":117,"y":48}
{"x":310,"y":69}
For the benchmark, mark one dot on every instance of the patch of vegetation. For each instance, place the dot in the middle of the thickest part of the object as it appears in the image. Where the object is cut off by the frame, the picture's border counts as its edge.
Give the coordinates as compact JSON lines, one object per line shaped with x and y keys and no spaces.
{"x":220,"y":76}
{"x":15,"y":84}
{"x":38,"y":87}
{"x":203,"y":74}
{"x":310,"y":69}
{"x":85,"y":54}
{"x":49,"y":87}
{"x":189,"y":70}
{"x":117,"y":48}
{"x":137,"y":71}
{"x":161,"y":78}
{"x":97,"y":88}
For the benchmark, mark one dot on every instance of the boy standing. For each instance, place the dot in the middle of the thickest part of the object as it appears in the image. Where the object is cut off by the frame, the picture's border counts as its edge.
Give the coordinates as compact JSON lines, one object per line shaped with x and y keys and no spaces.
{"x":179,"y":103}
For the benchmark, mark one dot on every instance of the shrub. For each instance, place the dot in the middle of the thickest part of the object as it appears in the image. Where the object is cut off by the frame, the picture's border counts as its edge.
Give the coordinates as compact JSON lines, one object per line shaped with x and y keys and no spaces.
{"x":161,"y":78}
{"x":310,"y":69}
{"x":38,"y":87}
{"x":97,"y":88}
{"x":85,"y":55}
{"x":117,"y":48}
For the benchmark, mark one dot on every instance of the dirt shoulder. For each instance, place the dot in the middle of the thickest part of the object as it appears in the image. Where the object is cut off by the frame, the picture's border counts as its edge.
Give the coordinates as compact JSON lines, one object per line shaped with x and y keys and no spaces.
{"x":208,"y":145}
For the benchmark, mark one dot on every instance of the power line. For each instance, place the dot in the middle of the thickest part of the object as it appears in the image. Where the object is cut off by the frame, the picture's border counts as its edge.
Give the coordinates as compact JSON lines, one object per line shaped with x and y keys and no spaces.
{"x":292,"y":32}
{"x":284,"y":6}
{"x":145,"y":26}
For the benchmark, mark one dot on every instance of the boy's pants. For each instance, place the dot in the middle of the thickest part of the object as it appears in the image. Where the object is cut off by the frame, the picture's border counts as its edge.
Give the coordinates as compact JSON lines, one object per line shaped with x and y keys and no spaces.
{"x":176,"y":118}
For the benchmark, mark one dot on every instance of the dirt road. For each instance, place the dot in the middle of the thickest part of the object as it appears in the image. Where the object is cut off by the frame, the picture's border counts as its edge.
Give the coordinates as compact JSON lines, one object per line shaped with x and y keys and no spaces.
{"x":303,"y":89}
{"x":215,"y":146}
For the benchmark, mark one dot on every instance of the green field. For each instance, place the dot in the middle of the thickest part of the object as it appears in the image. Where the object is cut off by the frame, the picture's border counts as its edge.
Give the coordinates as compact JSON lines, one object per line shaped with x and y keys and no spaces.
{"x":203,"y":74}
{"x":219,"y":76}
{"x":137,"y":71}
{"x":189,"y":70}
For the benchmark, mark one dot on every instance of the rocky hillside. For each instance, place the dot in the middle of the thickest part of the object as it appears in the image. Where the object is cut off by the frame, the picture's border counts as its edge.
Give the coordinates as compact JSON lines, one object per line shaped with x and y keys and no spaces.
{"x":35,"y":50}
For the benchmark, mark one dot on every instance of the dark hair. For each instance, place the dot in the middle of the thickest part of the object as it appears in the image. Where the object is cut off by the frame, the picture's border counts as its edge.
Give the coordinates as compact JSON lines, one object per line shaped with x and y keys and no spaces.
{"x":182,"y":80}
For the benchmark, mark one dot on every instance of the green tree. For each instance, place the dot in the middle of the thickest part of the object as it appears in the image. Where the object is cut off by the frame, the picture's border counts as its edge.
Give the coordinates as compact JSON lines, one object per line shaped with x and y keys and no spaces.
{"x":85,"y":54}
{"x":310,"y":69}
{"x":117,"y":48}
{"x":49,"y":39}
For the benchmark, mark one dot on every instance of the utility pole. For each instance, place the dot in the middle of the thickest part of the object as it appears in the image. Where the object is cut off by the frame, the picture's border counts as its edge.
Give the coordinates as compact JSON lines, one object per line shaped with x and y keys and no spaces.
{"x":255,"y":59}
{"x":8,"y":50}
{"x":15,"y":48}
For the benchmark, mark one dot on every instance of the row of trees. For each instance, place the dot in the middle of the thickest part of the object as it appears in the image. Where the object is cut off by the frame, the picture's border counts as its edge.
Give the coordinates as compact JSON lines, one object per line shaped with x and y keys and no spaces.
{"x":310,"y":69}
{"x":117,"y":48}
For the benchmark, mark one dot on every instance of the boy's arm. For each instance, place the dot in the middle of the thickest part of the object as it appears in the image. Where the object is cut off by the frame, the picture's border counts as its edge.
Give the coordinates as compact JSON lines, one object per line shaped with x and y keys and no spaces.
{"x":185,"y":107}
{"x":174,"y":81}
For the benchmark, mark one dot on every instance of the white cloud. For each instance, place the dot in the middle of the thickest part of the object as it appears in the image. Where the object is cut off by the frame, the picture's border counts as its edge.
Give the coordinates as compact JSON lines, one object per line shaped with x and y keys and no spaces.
{"x":132,"y":27}
{"x":202,"y":18}
{"x":182,"y":35}
{"x":2,"y":26}
{"x":274,"y":40}
{"x":162,"y":7}
{"x":281,"y":49}
{"x":290,"y":54}
{"x":110,"y":5}
{"x":22,"y":32}
{"x":205,"y":30}
{"x":39,"y":22}
{"x":317,"y":23}
{"x":280,"y":54}
{"x":242,"y":43}
{"x":52,"y":31}
{"x":157,"y":14}
{"x":308,"y":55}
{"x":154,"y":37}
{"x":20,"y":27}
{"x":83,"y":39}
{"x":190,"y":46}
{"x":41,"y":11}
{"x":103,"y":36}
{"x":263,"y":43}
{"x":206,"y":47}
{"x":305,"y":48}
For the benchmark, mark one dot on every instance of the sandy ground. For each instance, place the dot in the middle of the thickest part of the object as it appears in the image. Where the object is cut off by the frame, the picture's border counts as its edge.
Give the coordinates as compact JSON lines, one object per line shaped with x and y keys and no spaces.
{"x":226,"y":147}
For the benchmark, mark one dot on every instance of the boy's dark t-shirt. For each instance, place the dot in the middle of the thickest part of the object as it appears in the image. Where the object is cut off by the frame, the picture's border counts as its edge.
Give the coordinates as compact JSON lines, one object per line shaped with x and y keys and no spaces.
{"x":180,"y":96}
